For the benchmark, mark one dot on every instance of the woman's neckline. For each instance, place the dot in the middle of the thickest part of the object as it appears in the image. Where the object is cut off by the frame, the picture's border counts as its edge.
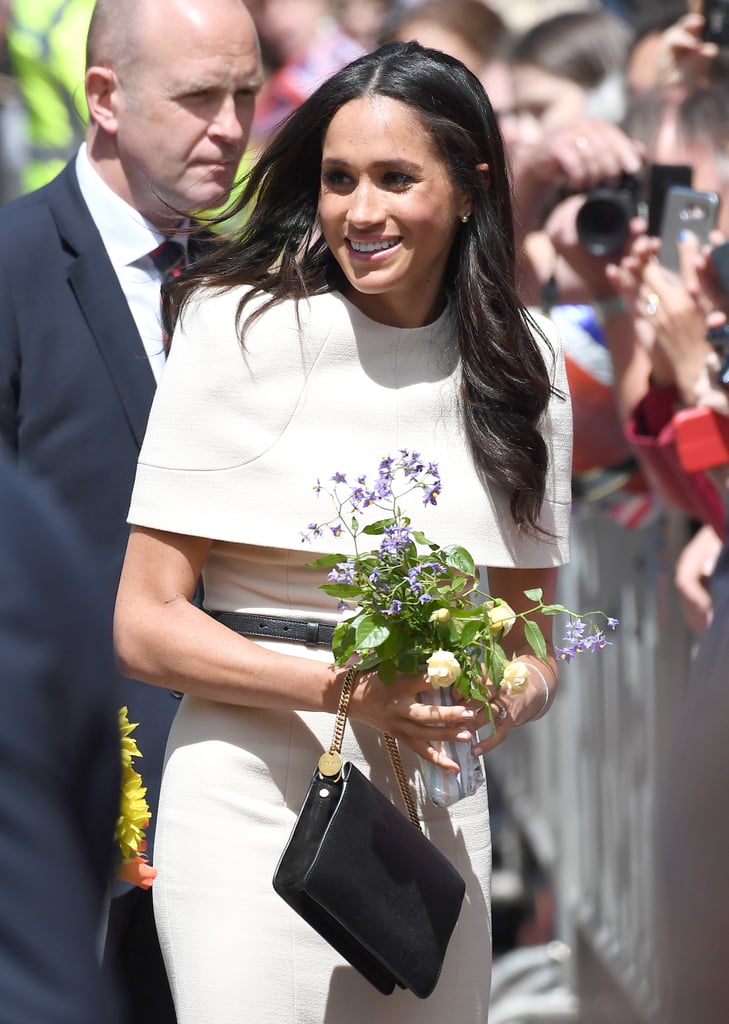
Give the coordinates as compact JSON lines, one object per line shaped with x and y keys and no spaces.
{"x":433,"y":324}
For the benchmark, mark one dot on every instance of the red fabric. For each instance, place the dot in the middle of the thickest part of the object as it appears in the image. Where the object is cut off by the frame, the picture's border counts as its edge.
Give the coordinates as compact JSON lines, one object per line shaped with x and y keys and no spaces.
{"x":650,"y":432}
{"x":598,"y":438}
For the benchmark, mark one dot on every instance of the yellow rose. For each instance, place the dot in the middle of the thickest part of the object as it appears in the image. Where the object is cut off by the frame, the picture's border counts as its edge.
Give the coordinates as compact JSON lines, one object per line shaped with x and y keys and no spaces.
{"x":443,"y":669}
{"x":516,"y":677}
{"x":440,"y":615}
{"x":501,"y":617}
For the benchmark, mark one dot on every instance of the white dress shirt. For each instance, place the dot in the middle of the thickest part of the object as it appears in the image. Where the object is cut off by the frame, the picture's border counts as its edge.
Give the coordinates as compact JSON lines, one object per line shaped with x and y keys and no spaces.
{"x":128,"y":239}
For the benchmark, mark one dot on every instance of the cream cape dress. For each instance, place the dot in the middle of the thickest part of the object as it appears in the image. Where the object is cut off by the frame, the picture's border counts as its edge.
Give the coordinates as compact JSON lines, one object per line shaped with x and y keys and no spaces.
{"x":237,"y":438}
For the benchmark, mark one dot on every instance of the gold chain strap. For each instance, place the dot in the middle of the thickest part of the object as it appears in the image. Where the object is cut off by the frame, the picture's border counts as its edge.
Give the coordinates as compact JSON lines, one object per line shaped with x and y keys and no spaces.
{"x":405,"y":791}
{"x":330,"y":763}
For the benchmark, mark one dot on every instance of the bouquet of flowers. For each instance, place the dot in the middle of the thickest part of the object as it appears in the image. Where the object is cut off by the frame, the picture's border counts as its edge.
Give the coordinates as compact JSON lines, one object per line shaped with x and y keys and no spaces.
{"x":134,"y":813}
{"x":414,"y":605}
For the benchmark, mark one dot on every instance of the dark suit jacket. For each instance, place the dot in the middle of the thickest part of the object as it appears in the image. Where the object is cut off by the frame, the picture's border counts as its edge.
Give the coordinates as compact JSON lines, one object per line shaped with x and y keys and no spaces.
{"x":59,"y":767}
{"x":75,"y":393}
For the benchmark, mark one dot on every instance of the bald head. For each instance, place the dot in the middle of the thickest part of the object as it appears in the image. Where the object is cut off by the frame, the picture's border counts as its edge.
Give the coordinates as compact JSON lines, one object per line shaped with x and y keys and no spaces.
{"x":111,"y":33}
{"x":118,"y":27}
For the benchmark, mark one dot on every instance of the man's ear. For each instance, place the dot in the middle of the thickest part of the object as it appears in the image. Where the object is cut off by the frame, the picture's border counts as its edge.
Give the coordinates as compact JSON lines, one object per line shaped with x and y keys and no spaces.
{"x":101,"y":93}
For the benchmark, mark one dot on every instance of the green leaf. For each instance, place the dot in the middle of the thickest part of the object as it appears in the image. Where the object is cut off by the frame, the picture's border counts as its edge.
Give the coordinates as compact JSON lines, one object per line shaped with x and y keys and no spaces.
{"x":494,"y":662}
{"x":370,"y":659}
{"x":409,"y":662}
{"x":470,"y":631}
{"x":458,"y":558}
{"x":344,"y":642}
{"x":341,"y":590}
{"x":552,"y":609}
{"x":534,"y":595}
{"x":387,"y":672}
{"x":371,"y":632}
{"x":535,"y":639}
{"x":326,"y":561}
{"x":375,"y":529}
{"x":420,"y":538}
{"x":448,"y":634}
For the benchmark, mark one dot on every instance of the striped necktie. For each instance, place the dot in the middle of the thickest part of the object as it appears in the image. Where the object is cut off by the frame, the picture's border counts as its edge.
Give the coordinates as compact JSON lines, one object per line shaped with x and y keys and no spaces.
{"x":169,"y":258}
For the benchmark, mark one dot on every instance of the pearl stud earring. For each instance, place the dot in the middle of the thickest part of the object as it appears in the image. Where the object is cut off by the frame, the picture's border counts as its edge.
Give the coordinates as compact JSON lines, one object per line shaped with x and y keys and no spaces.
{"x":465,"y":218}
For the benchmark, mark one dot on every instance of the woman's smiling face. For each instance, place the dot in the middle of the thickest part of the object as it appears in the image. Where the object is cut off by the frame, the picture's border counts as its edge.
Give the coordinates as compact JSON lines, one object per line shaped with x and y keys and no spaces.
{"x":388,"y":210}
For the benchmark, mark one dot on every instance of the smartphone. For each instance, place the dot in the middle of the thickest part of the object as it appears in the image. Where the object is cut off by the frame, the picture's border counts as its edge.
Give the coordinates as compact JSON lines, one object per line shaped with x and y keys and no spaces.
{"x":686,"y":209}
{"x":716,"y":22}
{"x":720,"y":260}
{"x":662,"y":177}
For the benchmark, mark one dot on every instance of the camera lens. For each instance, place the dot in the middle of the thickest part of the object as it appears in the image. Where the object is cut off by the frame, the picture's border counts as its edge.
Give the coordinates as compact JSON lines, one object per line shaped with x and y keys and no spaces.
{"x":603,"y":221}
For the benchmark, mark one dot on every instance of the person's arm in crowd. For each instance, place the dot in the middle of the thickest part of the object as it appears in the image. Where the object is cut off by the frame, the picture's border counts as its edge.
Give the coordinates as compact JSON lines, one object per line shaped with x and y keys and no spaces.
{"x":671,"y":313}
{"x":683,"y":57}
{"x":583,"y":277}
{"x":692,"y":573}
{"x":573,"y":160}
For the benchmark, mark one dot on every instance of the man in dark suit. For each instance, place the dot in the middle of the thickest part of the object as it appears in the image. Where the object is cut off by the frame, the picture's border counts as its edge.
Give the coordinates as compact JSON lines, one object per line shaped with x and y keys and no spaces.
{"x":170,"y":86}
{"x":59,"y":765}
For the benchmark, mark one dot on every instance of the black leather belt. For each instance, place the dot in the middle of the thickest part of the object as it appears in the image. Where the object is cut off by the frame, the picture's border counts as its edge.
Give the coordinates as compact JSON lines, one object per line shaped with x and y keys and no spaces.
{"x":276,"y":627}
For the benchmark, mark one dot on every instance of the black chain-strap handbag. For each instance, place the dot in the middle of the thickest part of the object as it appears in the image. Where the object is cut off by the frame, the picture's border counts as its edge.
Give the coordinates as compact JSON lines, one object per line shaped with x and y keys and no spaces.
{"x":366,"y":878}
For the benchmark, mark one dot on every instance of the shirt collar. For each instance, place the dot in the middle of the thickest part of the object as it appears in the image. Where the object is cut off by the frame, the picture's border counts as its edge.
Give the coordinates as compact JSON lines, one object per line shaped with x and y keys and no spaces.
{"x":126,"y":234}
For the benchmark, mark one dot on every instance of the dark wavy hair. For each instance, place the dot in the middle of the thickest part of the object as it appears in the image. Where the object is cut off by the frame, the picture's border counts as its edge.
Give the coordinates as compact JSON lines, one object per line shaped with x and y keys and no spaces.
{"x":280,"y":251}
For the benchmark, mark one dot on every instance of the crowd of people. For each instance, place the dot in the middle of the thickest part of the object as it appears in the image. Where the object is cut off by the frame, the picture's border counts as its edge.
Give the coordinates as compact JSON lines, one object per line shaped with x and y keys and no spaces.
{"x":354,"y":194}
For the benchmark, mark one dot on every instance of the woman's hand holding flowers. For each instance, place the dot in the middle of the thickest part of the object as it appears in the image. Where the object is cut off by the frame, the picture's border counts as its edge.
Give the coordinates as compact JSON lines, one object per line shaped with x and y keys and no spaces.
{"x":397,"y":710}
{"x":417,"y":621}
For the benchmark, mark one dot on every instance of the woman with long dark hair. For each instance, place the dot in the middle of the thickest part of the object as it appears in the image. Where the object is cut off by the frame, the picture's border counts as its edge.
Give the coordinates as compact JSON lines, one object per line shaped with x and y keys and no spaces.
{"x":367,"y":306}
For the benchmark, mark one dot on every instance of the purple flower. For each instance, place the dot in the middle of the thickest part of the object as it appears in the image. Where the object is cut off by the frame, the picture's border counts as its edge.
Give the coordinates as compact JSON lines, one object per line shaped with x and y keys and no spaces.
{"x":564,"y":654}
{"x":575,"y":629}
{"x":612,"y":623}
{"x":413,"y":579}
{"x":412,"y":464}
{"x":395,"y":540}
{"x":312,"y":530}
{"x":343,"y":572}
{"x":339,"y":478}
{"x":395,"y":608}
{"x":382,"y":489}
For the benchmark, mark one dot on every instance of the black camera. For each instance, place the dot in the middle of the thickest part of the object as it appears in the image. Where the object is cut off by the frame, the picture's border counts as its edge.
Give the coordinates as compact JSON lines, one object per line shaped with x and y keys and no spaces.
{"x":603,"y":220}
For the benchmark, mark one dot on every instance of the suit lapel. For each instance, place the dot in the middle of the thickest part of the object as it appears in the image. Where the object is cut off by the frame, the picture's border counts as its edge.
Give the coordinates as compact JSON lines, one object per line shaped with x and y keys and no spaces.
{"x":102,"y":302}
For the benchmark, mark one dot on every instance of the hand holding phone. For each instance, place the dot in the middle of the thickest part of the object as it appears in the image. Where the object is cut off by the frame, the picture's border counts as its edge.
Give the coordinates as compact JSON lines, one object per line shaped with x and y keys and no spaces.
{"x":686,"y":209}
{"x":661,"y":178}
{"x":716,"y":22}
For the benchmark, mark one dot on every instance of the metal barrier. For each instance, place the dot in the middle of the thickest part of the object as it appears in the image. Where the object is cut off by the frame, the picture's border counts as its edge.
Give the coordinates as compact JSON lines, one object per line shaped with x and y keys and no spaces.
{"x":581,"y":783}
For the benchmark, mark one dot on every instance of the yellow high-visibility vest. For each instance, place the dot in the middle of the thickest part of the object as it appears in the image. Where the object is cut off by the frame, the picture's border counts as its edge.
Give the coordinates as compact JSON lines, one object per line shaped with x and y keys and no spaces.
{"x":46,"y":44}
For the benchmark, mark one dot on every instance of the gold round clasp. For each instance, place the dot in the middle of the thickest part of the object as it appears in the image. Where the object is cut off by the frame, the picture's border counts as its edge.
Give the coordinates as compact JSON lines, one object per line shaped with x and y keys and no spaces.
{"x":330,"y":765}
